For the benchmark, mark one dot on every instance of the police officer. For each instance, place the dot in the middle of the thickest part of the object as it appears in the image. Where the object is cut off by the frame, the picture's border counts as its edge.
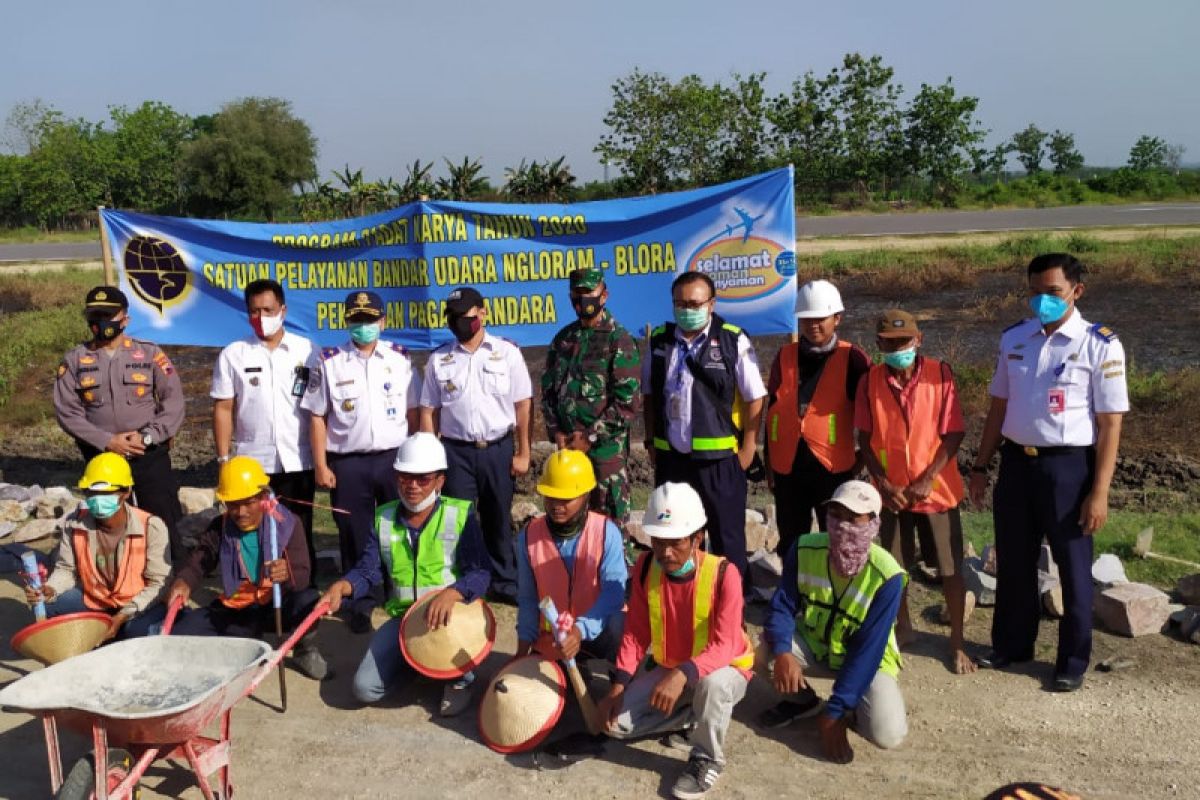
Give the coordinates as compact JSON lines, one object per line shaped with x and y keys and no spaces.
{"x":362,"y":400}
{"x":698,"y":366}
{"x":257,"y":385}
{"x":590,"y":391}
{"x":1058,"y":395}
{"x":477,"y":397}
{"x":122,"y":395}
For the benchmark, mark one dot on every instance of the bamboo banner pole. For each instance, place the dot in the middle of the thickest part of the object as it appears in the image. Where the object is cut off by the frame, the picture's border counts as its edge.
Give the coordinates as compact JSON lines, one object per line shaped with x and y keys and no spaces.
{"x":110,"y":274}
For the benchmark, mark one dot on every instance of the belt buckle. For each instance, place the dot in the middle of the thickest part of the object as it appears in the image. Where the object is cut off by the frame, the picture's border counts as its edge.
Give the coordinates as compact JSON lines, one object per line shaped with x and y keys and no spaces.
{"x":480,"y":444}
{"x":1030,"y":451}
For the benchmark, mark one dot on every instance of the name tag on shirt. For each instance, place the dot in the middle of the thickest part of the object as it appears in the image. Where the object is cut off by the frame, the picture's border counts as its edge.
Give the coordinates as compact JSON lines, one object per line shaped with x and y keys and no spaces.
{"x":253,"y":369}
{"x":1057,"y":401}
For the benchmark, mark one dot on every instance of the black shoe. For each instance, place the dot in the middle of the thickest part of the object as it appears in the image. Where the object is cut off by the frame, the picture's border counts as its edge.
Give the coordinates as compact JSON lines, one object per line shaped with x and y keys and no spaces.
{"x":995,"y":660}
{"x":1067,"y":683}
{"x":697,"y":778}
{"x":360,"y":622}
{"x":806,"y":704}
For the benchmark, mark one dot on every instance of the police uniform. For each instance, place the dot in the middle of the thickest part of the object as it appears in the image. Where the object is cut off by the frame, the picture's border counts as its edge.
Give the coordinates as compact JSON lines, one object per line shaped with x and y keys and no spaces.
{"x":476,"y":394}
{"x":1054,"y":386}
{"x":267,"y":386}
{"x":695,"y":437}
{"x":364,"y":400}
{"x":590,"y":386}
{"x":133,"y":387}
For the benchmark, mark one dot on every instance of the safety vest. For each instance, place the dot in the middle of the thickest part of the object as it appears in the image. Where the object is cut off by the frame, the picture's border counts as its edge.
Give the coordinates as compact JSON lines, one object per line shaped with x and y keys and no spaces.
{"x":433,"y":566}
{"x":576,"y":592}
{"x":714,"y":388}
{"x":828,"y":419}
{"x":906,"y":447}
{"x":826,"y":621}
{"x":708,"y":573}
{"x":131,"y":577}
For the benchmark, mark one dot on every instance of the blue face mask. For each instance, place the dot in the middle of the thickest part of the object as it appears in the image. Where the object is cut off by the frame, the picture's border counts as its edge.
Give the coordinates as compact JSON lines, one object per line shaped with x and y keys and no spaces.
{"x":1049,"y":308}
{"x":364,"y":332}
{"x":684,"y":570}
{"x":103,"y":506}
{"x":901,"y":359}
{"x":691,"y":319}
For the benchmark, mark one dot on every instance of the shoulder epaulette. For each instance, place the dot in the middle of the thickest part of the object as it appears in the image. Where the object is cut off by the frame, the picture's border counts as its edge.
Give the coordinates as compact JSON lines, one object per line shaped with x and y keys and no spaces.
{"x":1103,"y":332}
{"x":399,"y":348}
{"x":1016,"y":324}
{"x":510,"y":341}
{"x":328,"y":353}
{"x":660,"y":330}
{"x":729,"y":326}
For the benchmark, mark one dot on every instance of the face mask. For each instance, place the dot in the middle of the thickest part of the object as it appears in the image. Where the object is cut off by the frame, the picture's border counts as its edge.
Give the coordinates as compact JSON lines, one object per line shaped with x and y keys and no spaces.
{"x":464,"y":328}
{"x":364,"y":332}
{"x":686,"y":569}
{"x":103,"y":506}
{"x":266,"y":326}
{"x":570,"y":528}
{"x":901,"y":359}
{"x":587,"y":307}
{"x":850,"y":544}
{"x":691,"y":319}
{"x":417,"y":508}
{"x":1048,"y":308}
{"x":106,"y":330}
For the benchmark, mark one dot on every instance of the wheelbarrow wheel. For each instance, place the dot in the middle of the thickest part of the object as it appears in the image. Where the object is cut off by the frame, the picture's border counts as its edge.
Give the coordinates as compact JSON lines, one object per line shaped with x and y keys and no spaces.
{"x":81,"y":781}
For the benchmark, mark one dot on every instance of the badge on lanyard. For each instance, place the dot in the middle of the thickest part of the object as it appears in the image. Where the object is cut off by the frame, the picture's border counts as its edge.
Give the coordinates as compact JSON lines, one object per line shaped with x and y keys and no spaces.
{"x":675,"y":408}
{"x":1057,"y":401}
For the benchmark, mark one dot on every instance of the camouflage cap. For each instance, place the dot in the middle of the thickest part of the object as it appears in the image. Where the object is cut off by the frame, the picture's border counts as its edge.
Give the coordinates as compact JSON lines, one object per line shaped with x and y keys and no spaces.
{"x":586,"y":279}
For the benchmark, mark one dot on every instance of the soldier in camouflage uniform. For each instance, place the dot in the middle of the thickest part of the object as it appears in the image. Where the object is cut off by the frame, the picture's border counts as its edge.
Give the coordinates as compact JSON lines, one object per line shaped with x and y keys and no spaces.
{"x":590,"y":391}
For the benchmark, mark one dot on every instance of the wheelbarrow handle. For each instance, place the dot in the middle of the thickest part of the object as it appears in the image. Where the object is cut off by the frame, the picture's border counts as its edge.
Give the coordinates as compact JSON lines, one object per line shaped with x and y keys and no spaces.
{"x":319,"y":610}
{"x":172,"y":612}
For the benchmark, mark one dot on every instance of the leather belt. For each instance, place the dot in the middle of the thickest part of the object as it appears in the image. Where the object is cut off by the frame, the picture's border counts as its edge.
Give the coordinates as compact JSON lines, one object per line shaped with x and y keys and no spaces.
{"x":478,"y":444}
{"x":1030,"y":451}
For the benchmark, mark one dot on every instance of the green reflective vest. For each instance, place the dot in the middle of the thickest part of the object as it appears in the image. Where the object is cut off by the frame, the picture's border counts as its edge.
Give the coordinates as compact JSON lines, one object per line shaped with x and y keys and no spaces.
{"x":827,"y":623}
{"x":432,"y":566}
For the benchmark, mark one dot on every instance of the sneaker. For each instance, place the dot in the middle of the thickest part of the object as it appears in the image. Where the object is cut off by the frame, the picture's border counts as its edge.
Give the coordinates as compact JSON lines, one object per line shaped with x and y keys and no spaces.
{"x":806,"y":704}
{"x":308,"y":661}
{"x":679,"y":740}
{"x":456,"y":696}
{"x":697,"y":778}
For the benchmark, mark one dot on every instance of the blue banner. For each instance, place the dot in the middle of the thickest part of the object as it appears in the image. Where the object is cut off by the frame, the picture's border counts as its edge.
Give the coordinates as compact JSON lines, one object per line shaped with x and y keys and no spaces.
{"x":185,"y":277}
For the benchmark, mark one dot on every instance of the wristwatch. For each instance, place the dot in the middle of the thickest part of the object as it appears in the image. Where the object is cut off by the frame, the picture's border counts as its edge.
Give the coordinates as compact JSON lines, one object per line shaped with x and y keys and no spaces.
{"x":147,"y":439}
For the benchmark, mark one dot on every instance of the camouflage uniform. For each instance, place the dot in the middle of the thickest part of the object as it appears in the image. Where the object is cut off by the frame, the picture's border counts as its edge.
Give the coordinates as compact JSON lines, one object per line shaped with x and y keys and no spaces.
{"x":591,"y":384}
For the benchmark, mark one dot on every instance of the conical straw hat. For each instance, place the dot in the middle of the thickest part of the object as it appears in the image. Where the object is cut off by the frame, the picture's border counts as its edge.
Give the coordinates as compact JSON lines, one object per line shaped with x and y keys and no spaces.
{"x":58,"y":638}
{"x":452,"y":650}
{"x":522,"y":704}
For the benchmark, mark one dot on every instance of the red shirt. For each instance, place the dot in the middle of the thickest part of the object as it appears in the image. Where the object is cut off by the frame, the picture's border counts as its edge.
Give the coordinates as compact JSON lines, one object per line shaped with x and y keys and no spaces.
{"x":726,"y":640}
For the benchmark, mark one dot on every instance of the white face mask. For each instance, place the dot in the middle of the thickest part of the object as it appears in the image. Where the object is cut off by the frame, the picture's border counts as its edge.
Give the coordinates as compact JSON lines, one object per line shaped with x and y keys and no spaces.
{"x":267,"y":326}
{"x":417,"y":508}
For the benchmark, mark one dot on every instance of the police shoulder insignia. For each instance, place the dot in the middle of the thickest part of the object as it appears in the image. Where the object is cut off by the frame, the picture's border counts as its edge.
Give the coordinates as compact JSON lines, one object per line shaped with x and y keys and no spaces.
{"x":399,"y":348}
{"x":328,"y":353}
{"x":1104,"y":332}
{"x":510,"y":341}
{"x":1016,"y":324}
{"x":164,"y":363}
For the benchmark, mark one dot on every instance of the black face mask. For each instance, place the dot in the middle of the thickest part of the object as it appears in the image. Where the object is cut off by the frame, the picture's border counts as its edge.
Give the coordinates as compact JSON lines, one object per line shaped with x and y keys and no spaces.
{"x":106,"y":330}
{"x":587,"y":307}
{"x":570,"y":528}
{"x":464,"y":328}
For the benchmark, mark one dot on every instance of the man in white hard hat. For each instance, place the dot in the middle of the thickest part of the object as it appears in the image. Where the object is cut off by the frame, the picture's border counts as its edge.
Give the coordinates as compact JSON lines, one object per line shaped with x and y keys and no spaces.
{"x":426,"y":542}
{"x":685,"y":611}
{"x":810,"y":412}
{"x":834,"y":615}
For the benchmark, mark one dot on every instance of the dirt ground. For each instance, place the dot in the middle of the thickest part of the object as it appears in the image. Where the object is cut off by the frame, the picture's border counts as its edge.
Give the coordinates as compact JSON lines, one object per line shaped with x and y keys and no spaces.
{"x":1131,"y":733}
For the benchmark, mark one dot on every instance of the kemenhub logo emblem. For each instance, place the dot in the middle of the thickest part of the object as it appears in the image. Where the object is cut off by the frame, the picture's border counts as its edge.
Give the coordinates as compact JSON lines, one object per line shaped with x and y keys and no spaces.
{"x":156,"y":272}
{"x":742,"y":265}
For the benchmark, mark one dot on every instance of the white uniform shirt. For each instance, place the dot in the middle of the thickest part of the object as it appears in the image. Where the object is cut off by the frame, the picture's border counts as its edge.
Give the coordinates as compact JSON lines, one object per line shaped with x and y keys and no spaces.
{"x":1055,"y":385}
{"x":678,"y":386}
{"x":364,"y":399}
{"x":476,"y":392}
{"x":266,"y":387}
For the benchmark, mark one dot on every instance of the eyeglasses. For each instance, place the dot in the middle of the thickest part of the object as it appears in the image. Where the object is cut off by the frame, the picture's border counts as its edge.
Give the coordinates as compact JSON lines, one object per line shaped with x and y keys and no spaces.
{"x":419,"y":480}
{"x":692,"y":305}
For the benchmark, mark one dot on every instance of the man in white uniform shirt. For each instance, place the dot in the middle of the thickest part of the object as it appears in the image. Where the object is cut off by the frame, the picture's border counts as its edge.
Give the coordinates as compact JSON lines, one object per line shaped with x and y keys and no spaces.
{"x":477,"y":397}
{"x":363,"y":397}
{"x":1058,"y":395}
{"x":257,"y":385}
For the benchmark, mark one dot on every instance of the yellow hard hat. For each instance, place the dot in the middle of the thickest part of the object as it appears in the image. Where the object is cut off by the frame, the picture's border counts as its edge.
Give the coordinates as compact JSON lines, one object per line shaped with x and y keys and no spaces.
{"x":241,"y":477}
{"x":567,"y":474}
{"x":106,"y":472}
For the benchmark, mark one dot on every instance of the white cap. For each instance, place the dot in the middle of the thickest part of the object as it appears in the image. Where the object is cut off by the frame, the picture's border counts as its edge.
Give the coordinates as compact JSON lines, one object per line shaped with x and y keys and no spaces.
{"x":420,"y":454}
{"x":818,"y":300}
{"x":674,"y":512}
{"x":858,"y":496}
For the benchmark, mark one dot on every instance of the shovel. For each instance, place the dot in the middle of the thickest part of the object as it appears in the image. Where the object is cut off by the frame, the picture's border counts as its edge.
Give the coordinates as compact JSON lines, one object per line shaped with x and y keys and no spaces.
{"x":1142,"y":549}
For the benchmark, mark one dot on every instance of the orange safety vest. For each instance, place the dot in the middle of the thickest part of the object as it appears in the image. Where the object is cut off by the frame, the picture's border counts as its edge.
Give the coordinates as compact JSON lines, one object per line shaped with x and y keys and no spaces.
{"x":906,"y":447}
{"x":576,"y":592}
{"x":251,"y":594}
{"x":131,"y":577}
{"x":828,"y":419}
{"x":708,"y":571}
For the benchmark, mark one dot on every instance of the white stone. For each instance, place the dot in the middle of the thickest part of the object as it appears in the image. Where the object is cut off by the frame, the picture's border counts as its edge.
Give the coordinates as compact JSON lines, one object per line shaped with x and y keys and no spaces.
{"x":1133,"y":609}
{"x":35,"y":529}
{"x":7,"y":527}
{"x":634,"y":526}
{"x":1108,"y":569}
{"x":12,"y":511}
{"x":754,"y":517}
{"x":11,"y":491}
{"x":1052,"y":602}
{"x":760,"y":537}
{"x":978,"y":582}
{"x":1046,"y":561}
{"x":521,"y":512}
{"x":193,"y":499}
{"x":772,"y":516}
{"x":191,"y":526}
{"x":55,"y":502}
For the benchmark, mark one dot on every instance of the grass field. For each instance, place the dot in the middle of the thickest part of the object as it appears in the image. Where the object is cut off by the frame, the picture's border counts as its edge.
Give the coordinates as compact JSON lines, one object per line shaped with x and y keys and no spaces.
{"x":39,"y":236}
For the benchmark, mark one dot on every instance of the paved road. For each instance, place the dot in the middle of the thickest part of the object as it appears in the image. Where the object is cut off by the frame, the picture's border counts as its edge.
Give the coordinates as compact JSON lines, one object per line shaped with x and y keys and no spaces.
{"x":844,"y":225}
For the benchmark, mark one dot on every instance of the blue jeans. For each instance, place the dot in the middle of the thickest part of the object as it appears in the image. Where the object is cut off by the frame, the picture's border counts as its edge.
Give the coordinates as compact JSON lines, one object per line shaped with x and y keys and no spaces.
{"x":383,"y":669}
{"x":146,"y":623}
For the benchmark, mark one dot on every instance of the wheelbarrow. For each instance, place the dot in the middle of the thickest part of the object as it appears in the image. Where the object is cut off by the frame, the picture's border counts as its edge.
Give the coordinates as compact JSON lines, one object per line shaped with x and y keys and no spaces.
{"x":153,"y":697}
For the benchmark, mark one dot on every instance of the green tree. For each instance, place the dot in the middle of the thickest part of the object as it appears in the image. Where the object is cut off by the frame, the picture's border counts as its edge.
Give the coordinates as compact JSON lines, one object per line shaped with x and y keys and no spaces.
{"x":744,"y":149}
{"x":463,"y":181}
{"x":991,"y":163}
{"x":941,"y":133}
{"x":67,"y":174}
{"x":1063,"y":155}
{"x":867,"y":101}
{"x":640,"y":135}
{"x":1148,"y":153}
{"x":806,"y":132}
{"x":418,"y":183}
{"x":147,"y":143}
{"x":257,"y":154}
{"x":25,"y":123}
{"x":1029,"y":145}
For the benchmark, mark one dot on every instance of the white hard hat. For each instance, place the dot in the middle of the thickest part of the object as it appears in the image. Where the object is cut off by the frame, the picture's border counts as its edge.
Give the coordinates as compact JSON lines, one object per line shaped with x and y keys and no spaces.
{"x":674,"y":512}
{"x":421,"y":453}
{"x":858,"y":496}
{"x":817,"y":300}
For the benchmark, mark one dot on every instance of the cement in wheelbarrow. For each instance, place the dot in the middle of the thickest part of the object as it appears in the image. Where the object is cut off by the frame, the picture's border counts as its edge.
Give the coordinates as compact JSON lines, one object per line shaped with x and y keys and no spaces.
{"x":154,"y":690}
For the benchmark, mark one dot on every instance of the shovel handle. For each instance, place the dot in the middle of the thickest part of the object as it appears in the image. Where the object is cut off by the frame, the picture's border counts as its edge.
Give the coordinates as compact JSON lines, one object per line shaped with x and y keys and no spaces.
{"x":172,"y":613}
{"x":319,"y":610}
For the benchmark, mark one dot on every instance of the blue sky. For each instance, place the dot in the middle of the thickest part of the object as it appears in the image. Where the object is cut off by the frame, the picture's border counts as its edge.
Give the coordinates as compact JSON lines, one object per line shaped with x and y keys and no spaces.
{"x":384,"y":83}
